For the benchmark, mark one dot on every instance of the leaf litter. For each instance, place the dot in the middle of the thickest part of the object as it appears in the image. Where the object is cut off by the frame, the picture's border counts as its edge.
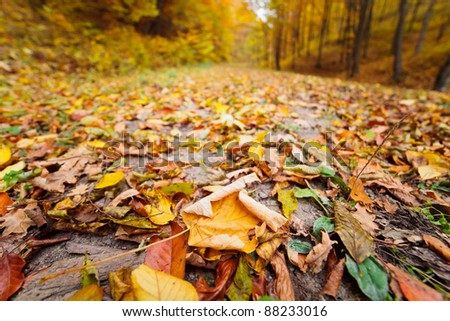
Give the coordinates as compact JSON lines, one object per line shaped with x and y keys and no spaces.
{"x":210,"y":176}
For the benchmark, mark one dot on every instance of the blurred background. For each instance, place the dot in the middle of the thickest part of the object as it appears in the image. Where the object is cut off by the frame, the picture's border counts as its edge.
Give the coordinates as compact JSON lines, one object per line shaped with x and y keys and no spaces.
{"x":392,"y":42}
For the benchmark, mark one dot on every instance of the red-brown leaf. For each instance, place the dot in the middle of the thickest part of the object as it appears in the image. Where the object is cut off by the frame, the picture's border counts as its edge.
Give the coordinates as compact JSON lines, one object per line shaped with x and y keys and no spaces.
{"x":224,"y":278}
{"x":11,"y":275}
{"x":413,"y":289}
{"x":169,"y":256}
{"x":5,"y":201}
{"x":334,"y":279}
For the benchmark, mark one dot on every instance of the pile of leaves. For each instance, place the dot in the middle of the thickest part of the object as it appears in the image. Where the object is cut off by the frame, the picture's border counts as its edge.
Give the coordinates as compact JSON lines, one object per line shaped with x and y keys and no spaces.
{"x":210,"y":169}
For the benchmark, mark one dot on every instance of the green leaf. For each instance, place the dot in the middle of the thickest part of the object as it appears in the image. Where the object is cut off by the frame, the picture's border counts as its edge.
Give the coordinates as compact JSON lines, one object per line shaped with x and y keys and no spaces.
{"x":288,"y":201}
{"x":299,"y":246}
{"x":241,"y":289}
{"x":308,"y":192}
{"x":370,"y":134}
{"x":187,"y":188}
{"x":14,"y":130}
{"x":89,"y":275}
{"x":322,"y":223}
{"x":371,"y":277}
{"x":267,"y":298}
{"x":327,"y":172}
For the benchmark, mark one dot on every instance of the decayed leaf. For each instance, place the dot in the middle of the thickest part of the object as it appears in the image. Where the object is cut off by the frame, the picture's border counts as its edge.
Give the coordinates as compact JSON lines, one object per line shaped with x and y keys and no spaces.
{"x":288,"y":200}
{"x":11,"y":275}
{"x":169,"y":256}
{"x":334,"y":279}
{"x":319,"y":253}
{"x":5,"y":154}
{"x":109,"y":179}
{"x":152,"y":285}
{"x":357,"y":193}
{"x":371,"y":277}
{"x":357,"y":241}
{"x":225,"y":219}
{"x":5,"y":201}
{"x":413,"y":289}
{"x":241,"y":288}
{"x":16,"y":222}
{"x":160,"y":210}
{"x":120,"y":283}
{"x":438,"y":246}
{"x":224,"y":277}
{"x":283,"y":283}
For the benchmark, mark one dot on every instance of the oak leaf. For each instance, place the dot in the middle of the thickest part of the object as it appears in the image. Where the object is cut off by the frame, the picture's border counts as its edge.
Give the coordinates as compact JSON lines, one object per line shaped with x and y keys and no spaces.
{"x":319,"y":253}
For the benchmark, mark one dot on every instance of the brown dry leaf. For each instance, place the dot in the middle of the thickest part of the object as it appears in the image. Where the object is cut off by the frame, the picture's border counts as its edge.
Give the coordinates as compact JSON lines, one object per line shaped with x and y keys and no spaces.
{"x":153,"y":285}
{"x":169,"y":256}
{"x":259,"y":286}
{"x":319,"y":253}
{"x":124,"y":195}
{"x":5,"y":201}
{"x":16,"y":222}
{"x":297,"y":259}
{"x":11,"y":275}
{"x":358,"y":241}
{"x":366,"y":219}
{"x":438,"y":246}
{"x":413,"y":289}
{"x":357,"y":193}
{"x":402,"y":192}
{"x":224,"y":278}
{"x":283,"y":284}
{"x":334,"y":279}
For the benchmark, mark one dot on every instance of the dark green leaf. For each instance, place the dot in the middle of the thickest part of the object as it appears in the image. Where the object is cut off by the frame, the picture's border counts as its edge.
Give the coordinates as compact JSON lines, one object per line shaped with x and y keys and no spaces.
{"x":322,"y":223}
{"x":371,"y":277}
{"x":299,"y":246}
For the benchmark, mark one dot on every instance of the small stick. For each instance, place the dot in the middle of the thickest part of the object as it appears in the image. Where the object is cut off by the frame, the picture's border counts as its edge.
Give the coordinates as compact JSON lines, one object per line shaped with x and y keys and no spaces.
{"x":139,"y":249}
{"x":378,"y":149}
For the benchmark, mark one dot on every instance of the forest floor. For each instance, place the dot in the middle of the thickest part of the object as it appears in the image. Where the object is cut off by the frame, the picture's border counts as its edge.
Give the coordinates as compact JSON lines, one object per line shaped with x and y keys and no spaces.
{"x":316,"y":189}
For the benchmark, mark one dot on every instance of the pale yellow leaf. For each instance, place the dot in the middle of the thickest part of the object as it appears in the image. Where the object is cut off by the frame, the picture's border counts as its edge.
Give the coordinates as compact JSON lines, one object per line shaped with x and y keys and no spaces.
{"x":153,"y":285}
{"x":109,"y":179}
{"x":97,"y":144}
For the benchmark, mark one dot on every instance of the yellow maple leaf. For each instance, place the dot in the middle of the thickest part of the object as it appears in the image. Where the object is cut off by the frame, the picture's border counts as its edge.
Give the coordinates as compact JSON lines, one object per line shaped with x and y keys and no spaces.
{"x":5,"y":154}
{"x":152,"y":285}
{"x":109,"y":179}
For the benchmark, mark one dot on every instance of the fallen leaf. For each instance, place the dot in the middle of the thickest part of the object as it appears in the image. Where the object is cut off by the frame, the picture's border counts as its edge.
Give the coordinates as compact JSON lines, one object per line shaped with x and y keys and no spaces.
{"x":413,"y":289}
{"x":5,"y":154}
{"x":224,"y":278}
{"x":259,"y":286}
{"x":152,"y":285}
{"x":159,"y":210}
{"x":429,"y":164}
{"x":282,"y":284}
{"x":319,"y":253}
{"x":334,"y":279}
{"x":402,"y":192}
{"x":122,"y":196}
{"x":288,"y":200}
{"x":241,"y":288}
{"x":120,"y":283}
{"x":366,"y":219}
{"x":297,"y":259}
{"x":5,"y":201}
{"x":168,"y":256}
{"x":109,"y":179}
{"x":91,"y":292}
{"x":323,"y":223}
{"x":11,"y":275}
{"x":370,"y":276}
{"x":15,"y":167}
{"x":299,"y":246}
{"x":16,"y":222}
{"x":438,"y":246}
{"x":357,"y":191}
{"x":357,"y":241}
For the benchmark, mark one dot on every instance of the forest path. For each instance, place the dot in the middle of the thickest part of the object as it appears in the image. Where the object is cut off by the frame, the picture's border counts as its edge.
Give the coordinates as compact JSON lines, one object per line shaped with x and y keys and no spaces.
{"x":210,"y":125}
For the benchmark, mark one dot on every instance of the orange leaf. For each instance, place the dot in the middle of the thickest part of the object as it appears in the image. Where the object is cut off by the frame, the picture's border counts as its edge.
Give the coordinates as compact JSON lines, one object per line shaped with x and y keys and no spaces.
{"x":169,"y":256}
{"x":413,"y":289}
{"x":11,"y":275}
{"x":225,"y":273}
{"x":438,"y":246}
{"x":358,"y":194}
{"x":334,"y":279}
{"x":5,"y":201}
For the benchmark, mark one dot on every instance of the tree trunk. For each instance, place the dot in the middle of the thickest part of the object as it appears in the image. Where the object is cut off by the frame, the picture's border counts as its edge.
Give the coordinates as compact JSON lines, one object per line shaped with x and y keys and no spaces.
{"x":349,"y":32}
{"x":414,"y":15}
{"x":367,"y":28}
{"x":323,"y":29}
{"x":398,"y":40}
{"x":443,"y":77}
{"x":442,"y":28}
{"x":423,"y":31}
{"x":359,"y":37}
{"x":310,"y":32}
